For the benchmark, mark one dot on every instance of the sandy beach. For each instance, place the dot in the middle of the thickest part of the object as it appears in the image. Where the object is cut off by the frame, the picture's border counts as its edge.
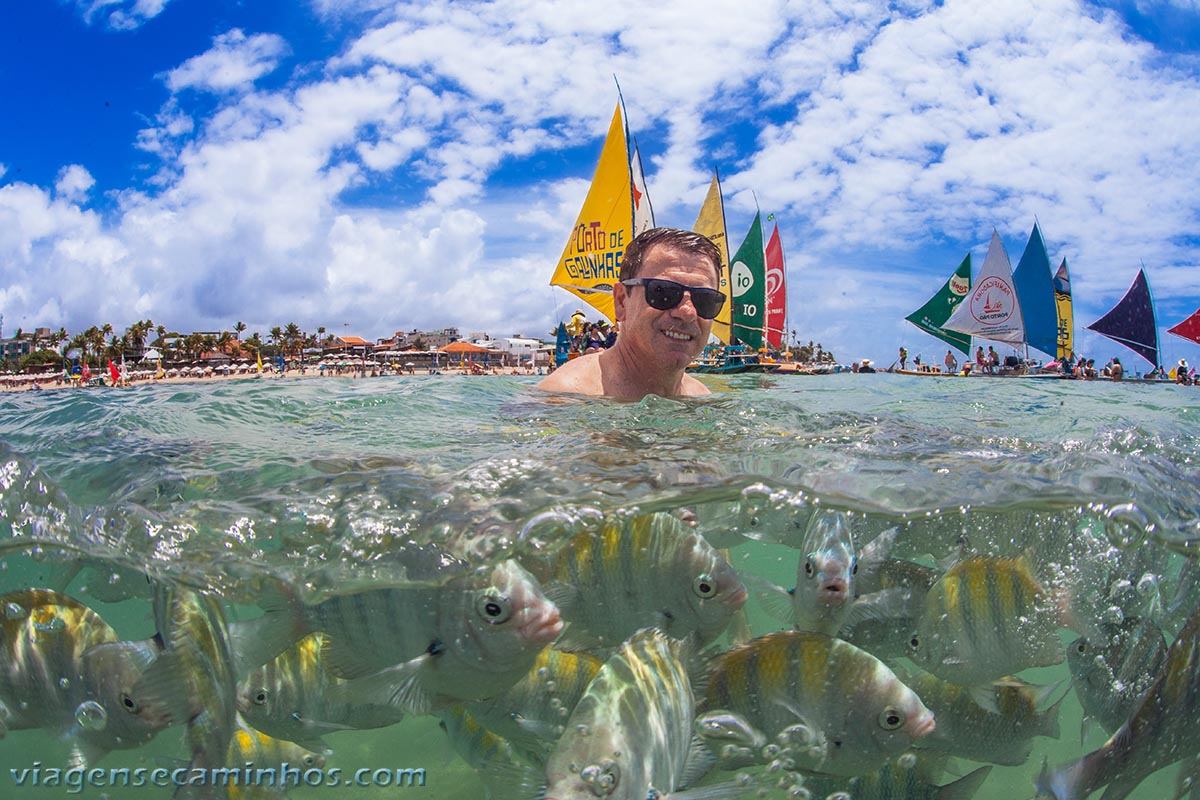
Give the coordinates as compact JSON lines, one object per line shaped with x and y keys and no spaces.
{"x":23,"y":383}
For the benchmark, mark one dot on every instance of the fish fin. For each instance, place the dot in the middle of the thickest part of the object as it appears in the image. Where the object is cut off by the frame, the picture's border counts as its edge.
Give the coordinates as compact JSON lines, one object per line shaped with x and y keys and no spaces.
{"x":882,"y":606}
{"x":84,"y":754}
{"x":162,"y":691}
{"x":699,"y":761}
{"x":716,"y":791}
{"x":985,"y":697}
{"x":575,"y":639}
{"x":401,"y":686}
{"x":343,"y":659}
{"x":774,"y":599}
{"x":1042,"y":694}
{"x":257,"y":641}
{"x":876,"y":552}
{"x":1047,"y":721}
{"x":739,"y":628}
{"x":563,"y":595}
{"x":965,"y":787}
{"x":536,"y":728}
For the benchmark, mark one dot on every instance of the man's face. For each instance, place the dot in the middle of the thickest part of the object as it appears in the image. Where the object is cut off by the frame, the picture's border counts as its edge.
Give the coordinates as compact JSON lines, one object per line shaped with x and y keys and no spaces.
{"x":671,"y":338}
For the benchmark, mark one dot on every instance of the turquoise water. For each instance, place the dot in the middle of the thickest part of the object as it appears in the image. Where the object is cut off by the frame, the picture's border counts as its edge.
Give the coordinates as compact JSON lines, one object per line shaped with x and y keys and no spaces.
{"x":217,"y":485}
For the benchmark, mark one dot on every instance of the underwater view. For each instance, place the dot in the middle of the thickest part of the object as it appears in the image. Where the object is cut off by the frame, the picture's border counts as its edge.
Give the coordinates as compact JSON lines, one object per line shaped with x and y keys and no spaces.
{"x":843,"y":586}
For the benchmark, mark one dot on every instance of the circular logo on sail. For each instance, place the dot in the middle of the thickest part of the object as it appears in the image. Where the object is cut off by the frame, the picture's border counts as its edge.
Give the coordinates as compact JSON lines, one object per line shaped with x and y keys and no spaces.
{"x":742,"y":277}
{"x":774,"y":281}
{"x":992,"y":301}
{"x":959,"y":286}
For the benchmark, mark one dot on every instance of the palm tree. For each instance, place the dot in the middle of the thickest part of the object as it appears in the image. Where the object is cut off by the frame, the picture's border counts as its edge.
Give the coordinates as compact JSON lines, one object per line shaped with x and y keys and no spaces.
{"x":293,"y":336}
{"x":276,"y":336}
{"x":238,"y":327}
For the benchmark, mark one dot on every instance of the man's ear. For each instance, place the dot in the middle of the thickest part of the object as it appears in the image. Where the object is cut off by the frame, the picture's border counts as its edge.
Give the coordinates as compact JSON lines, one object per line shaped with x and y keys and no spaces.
{"x":620,"y":298}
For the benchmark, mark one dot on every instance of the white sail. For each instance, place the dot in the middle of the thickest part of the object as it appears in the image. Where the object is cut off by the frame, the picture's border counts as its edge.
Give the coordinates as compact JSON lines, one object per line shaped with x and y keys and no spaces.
{"x":991,"y":310}
{"x":643,"y":212}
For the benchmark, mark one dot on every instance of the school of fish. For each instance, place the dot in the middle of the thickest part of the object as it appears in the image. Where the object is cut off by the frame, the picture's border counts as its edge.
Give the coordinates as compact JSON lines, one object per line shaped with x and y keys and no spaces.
{"x":631,"y":663}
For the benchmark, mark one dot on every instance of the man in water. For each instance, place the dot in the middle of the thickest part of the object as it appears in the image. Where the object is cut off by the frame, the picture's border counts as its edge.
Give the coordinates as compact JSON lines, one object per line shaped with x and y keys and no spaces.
{"x":665,"y":302}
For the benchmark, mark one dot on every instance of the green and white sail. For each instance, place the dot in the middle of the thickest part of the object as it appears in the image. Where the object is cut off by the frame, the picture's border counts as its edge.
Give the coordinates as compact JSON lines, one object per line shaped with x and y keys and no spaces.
{"x":748,"y":283}
{"x":933,"y":315}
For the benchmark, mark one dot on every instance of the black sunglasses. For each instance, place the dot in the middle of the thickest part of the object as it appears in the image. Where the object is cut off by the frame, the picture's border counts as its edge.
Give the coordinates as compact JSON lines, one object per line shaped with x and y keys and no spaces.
{"x":665,"y":295}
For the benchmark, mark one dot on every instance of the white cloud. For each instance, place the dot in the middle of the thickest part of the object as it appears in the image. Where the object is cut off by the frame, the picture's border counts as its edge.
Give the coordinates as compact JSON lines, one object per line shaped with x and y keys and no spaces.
{"x":74,"y":183}
{"x":121,"y":14}
{"x":234,"y":63}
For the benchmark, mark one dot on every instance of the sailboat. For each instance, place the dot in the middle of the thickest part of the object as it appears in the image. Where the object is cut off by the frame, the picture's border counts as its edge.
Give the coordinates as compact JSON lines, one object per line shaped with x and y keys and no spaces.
{"x":1035,"y":294}
{"x":991,"y":309}
{"x":616,"y":209}
{"x":711,"y":223}
{"x":1066,"y":315}
{"x":933,"y":315}
{"x":756,"y":288}
{"x":1132,"y":322}
{"x":1188,"y":329}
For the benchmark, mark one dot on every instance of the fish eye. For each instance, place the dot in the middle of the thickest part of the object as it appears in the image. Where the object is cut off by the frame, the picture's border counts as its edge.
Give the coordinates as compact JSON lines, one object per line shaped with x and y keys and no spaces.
{"x":260,"y":697}
{"x":890,"y":719}
{"x":854,"y":569}
{"x":915,"y":642}
{"x":310,"y":760}
{"x":704,"y":586}
{"x":809,"y":569}
{"x":1081,"y":647}
{"x":129,"y":704}
{"x":494,"y":609}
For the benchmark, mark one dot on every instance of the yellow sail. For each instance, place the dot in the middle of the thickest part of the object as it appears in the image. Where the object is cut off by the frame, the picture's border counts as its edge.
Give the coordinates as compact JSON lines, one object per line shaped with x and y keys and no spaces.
{"x":711,"y":223}
{"x":591,"y":261}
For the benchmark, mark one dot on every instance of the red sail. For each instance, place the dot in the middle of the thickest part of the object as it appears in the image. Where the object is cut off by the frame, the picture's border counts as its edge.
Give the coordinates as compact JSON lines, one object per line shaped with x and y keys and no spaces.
{"x":1188,"y":329}
{"x":776,"y":291}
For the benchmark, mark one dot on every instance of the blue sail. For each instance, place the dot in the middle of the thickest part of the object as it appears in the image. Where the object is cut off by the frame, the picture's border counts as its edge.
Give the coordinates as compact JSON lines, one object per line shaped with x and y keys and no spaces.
{"x":562,"y":345}
{"x":1132,"y":321}
{"x":1035,"y":293}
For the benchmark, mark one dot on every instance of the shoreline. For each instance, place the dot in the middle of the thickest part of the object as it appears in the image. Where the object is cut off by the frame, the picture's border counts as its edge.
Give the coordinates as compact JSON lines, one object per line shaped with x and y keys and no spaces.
{"x":52,"y":384}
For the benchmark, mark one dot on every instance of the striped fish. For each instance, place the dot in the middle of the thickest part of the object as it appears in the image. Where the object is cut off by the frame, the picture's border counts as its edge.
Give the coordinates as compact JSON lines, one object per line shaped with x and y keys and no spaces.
{"x":1111,"y":677}
{"x":984,"y":619}
{"x":251,"y":746}
{"x":289,"y":698}
{"x":631,"y":737}
{"x":532,"y":715}
{"x":192,"y":681}
{"x":63,"y":669}
{"x":994,"y":724}
{"x":425,"y":647}
{"x":493,"y":758}
{"x":845,"y":711}
{"x":651,"y":571}
{"x":1164,"y":728}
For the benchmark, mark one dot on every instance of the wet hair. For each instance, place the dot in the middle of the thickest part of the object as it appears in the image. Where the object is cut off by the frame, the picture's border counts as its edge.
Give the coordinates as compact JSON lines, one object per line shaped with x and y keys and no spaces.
{"x":681,"y":241}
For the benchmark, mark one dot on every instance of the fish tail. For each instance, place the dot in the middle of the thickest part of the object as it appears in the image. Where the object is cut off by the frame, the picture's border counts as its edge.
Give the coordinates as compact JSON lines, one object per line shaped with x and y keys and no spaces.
{"x":1072,"y":781}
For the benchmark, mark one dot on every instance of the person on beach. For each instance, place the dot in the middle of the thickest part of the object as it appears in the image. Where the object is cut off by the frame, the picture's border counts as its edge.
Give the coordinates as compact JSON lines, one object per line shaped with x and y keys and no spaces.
{"x":665,"y":301}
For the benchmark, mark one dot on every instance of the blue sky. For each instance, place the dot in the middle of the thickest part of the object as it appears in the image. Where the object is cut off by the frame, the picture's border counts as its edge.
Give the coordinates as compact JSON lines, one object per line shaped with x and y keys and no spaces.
{"x":418,"y":165}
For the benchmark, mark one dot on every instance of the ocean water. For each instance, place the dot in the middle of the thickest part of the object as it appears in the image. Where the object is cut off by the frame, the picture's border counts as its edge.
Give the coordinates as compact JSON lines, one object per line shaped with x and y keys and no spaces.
{"x":220,"y":485}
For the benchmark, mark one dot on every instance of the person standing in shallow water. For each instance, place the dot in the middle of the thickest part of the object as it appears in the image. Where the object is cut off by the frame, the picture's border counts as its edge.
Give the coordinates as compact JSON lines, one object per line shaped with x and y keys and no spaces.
{"x":665,"y":302}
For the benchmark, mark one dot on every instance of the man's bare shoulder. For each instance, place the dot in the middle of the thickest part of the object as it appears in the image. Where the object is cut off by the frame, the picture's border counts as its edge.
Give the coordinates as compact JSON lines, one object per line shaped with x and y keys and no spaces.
{"x":577,"y":376}
{"x":693,"y":388}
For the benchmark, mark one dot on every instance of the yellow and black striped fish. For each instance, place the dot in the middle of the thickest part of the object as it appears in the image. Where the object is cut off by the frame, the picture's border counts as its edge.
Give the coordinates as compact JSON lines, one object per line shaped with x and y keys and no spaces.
{"x":649,"y":572}
{"x":984,"y":619}
{"x":289,"y":698}
{"x":844,"y":709}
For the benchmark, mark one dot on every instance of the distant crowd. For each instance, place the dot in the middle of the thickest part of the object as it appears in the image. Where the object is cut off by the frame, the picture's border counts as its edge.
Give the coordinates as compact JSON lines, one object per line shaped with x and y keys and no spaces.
{"x":1077,"y":366}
